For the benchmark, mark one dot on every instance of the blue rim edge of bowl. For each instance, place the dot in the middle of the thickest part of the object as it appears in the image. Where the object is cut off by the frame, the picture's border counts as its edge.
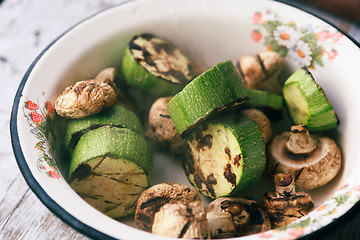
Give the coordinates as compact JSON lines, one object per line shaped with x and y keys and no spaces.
{"x":67,"y":217}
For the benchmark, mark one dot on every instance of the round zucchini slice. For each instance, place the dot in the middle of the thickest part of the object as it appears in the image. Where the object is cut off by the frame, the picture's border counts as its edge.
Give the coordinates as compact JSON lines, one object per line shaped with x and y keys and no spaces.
{"x":114,"y":115}
{"x":110,"y":168}
{"x":218,"y":89}
{"x":155,"y":66}
{"x":225,"y":156}
{"x":307,"y":102}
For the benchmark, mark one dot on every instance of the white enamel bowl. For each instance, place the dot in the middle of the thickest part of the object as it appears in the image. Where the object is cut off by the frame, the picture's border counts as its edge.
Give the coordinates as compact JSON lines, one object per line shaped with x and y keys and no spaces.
{"x":208,"y":31}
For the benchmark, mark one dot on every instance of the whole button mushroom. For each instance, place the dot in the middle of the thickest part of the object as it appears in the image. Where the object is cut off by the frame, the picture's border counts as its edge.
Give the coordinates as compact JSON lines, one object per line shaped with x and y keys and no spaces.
{"x":153,"y":198}
{"x":162,"y":129}
{"x":179,"y":220}
{"x":285,"y":205}
{"x":312,"y":160}
{"x":260,"y":71}
{"x":234,"y":217}
{"x":85,"y":98}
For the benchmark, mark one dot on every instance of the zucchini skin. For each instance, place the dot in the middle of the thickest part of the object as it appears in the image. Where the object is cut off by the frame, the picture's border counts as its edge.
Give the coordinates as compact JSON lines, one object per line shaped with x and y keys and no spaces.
{"x":114,"y":115}
{"x":321,"y":113}
{"x":108,"y":140}
{"x":214,"y":91}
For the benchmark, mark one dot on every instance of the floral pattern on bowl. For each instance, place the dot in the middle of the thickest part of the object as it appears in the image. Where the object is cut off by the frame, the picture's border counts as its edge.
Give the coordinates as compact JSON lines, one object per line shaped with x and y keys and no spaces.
{"x":305,"y":45}
{"x":40,"y":121}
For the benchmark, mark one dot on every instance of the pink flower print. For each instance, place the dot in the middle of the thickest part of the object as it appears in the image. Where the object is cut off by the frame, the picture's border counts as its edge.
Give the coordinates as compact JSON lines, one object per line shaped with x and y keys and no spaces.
{"x":343,"y":186}
{"x":256,"y":17}
{"x":266,"y":234}
{"x":36,"y":117}
{"x":332,"y":54}
{"x":323,"y":36}
{"x":31,"y":105}
{"x":49,"y":107}
{"x":54,"y":174}
{"x":256,"y":35}
{"x":296,"y":232}
{"x":336,"y":36}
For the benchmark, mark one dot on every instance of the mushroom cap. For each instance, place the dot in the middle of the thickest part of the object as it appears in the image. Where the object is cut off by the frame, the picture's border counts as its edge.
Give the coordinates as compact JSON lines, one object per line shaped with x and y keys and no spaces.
{"x":232,"y":217}
{"x":181,"y":220}
{"x":153,"y":198}
{"x":261,"y":120}
{"x":84,"y":98}
{"x":310,"y":170}
{"x":260,"y":71}
{"x":163,"y":128}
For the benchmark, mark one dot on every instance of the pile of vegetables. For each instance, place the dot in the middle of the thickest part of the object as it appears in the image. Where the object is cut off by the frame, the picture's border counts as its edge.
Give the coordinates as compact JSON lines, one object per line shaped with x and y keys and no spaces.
{"x":218,"y":120}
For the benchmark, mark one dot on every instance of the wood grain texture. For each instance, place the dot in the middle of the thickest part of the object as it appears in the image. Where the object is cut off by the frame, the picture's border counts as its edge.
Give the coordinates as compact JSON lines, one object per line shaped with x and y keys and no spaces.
{"x":26,"y":27}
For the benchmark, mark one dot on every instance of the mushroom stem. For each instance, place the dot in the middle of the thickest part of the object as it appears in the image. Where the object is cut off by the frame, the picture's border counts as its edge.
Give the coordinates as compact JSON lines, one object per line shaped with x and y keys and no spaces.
{"x":284,"y":184}
{"x":300,"y":141}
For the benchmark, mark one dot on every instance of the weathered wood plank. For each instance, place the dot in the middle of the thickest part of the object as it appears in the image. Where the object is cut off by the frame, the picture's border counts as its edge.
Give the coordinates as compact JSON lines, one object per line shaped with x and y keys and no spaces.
{"x":30,"y":219}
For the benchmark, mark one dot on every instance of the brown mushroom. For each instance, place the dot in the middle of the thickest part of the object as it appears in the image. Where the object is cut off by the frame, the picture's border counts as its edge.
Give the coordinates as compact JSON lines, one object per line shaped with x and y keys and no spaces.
{"x":234,"y":217}
{"x":153,"y":198}
{"x":179,"y":220}
{"x":162,"y":129}
{"x":285,"y":205}
{"x":84,"y":98}
{"x":260,"y":71}
{"x":312,"y":160}
{"x":261,"y":120}
{"x":114,"y":79}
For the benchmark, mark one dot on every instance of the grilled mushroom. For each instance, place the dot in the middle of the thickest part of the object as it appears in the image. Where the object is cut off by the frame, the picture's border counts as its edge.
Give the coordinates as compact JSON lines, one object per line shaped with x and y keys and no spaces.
{"x":181,"y":220}
{"x":162,"y":129}
{"x":312,"y":160}
{"x":85,"y":98}
{"x":260,"y":71}
{"x":234,"y":217}
{"x":153,"y":198}
{"x":285,"y":205}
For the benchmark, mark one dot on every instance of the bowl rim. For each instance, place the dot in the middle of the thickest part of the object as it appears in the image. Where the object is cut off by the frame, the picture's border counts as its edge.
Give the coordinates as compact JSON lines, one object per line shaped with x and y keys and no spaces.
{"x":68,"y":218}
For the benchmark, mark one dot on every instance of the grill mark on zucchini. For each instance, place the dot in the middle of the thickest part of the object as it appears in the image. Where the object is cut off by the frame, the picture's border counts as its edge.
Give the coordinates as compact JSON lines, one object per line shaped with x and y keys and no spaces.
{"x":229,"y":175}
{"x":149,"y":59}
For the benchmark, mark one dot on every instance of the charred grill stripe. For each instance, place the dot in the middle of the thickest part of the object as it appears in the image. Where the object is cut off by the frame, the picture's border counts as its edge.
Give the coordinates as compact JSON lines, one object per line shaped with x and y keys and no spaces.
{"x":232,"y":105}
{"x":263,"y":68}
{"x":228,"y":152}
{"x":206,"y":141}
{"x":165,"y":116}
{"x":147,"y":36}
{"x":184,"y":229}
{"x":241,"y":73}
{"x":275,"y":168}
{"x":229,"y":175}
{"x":298,"y":175}
{"x":125,"y":174}
{"x":87,"y":195}
{"x":156,"y":201}
{"x":112,"y":207}
{"x":99,"y":163}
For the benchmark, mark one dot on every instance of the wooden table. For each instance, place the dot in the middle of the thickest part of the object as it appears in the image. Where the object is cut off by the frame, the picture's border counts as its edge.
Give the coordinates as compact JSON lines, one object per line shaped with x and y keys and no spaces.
{"x":26,"y":27}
